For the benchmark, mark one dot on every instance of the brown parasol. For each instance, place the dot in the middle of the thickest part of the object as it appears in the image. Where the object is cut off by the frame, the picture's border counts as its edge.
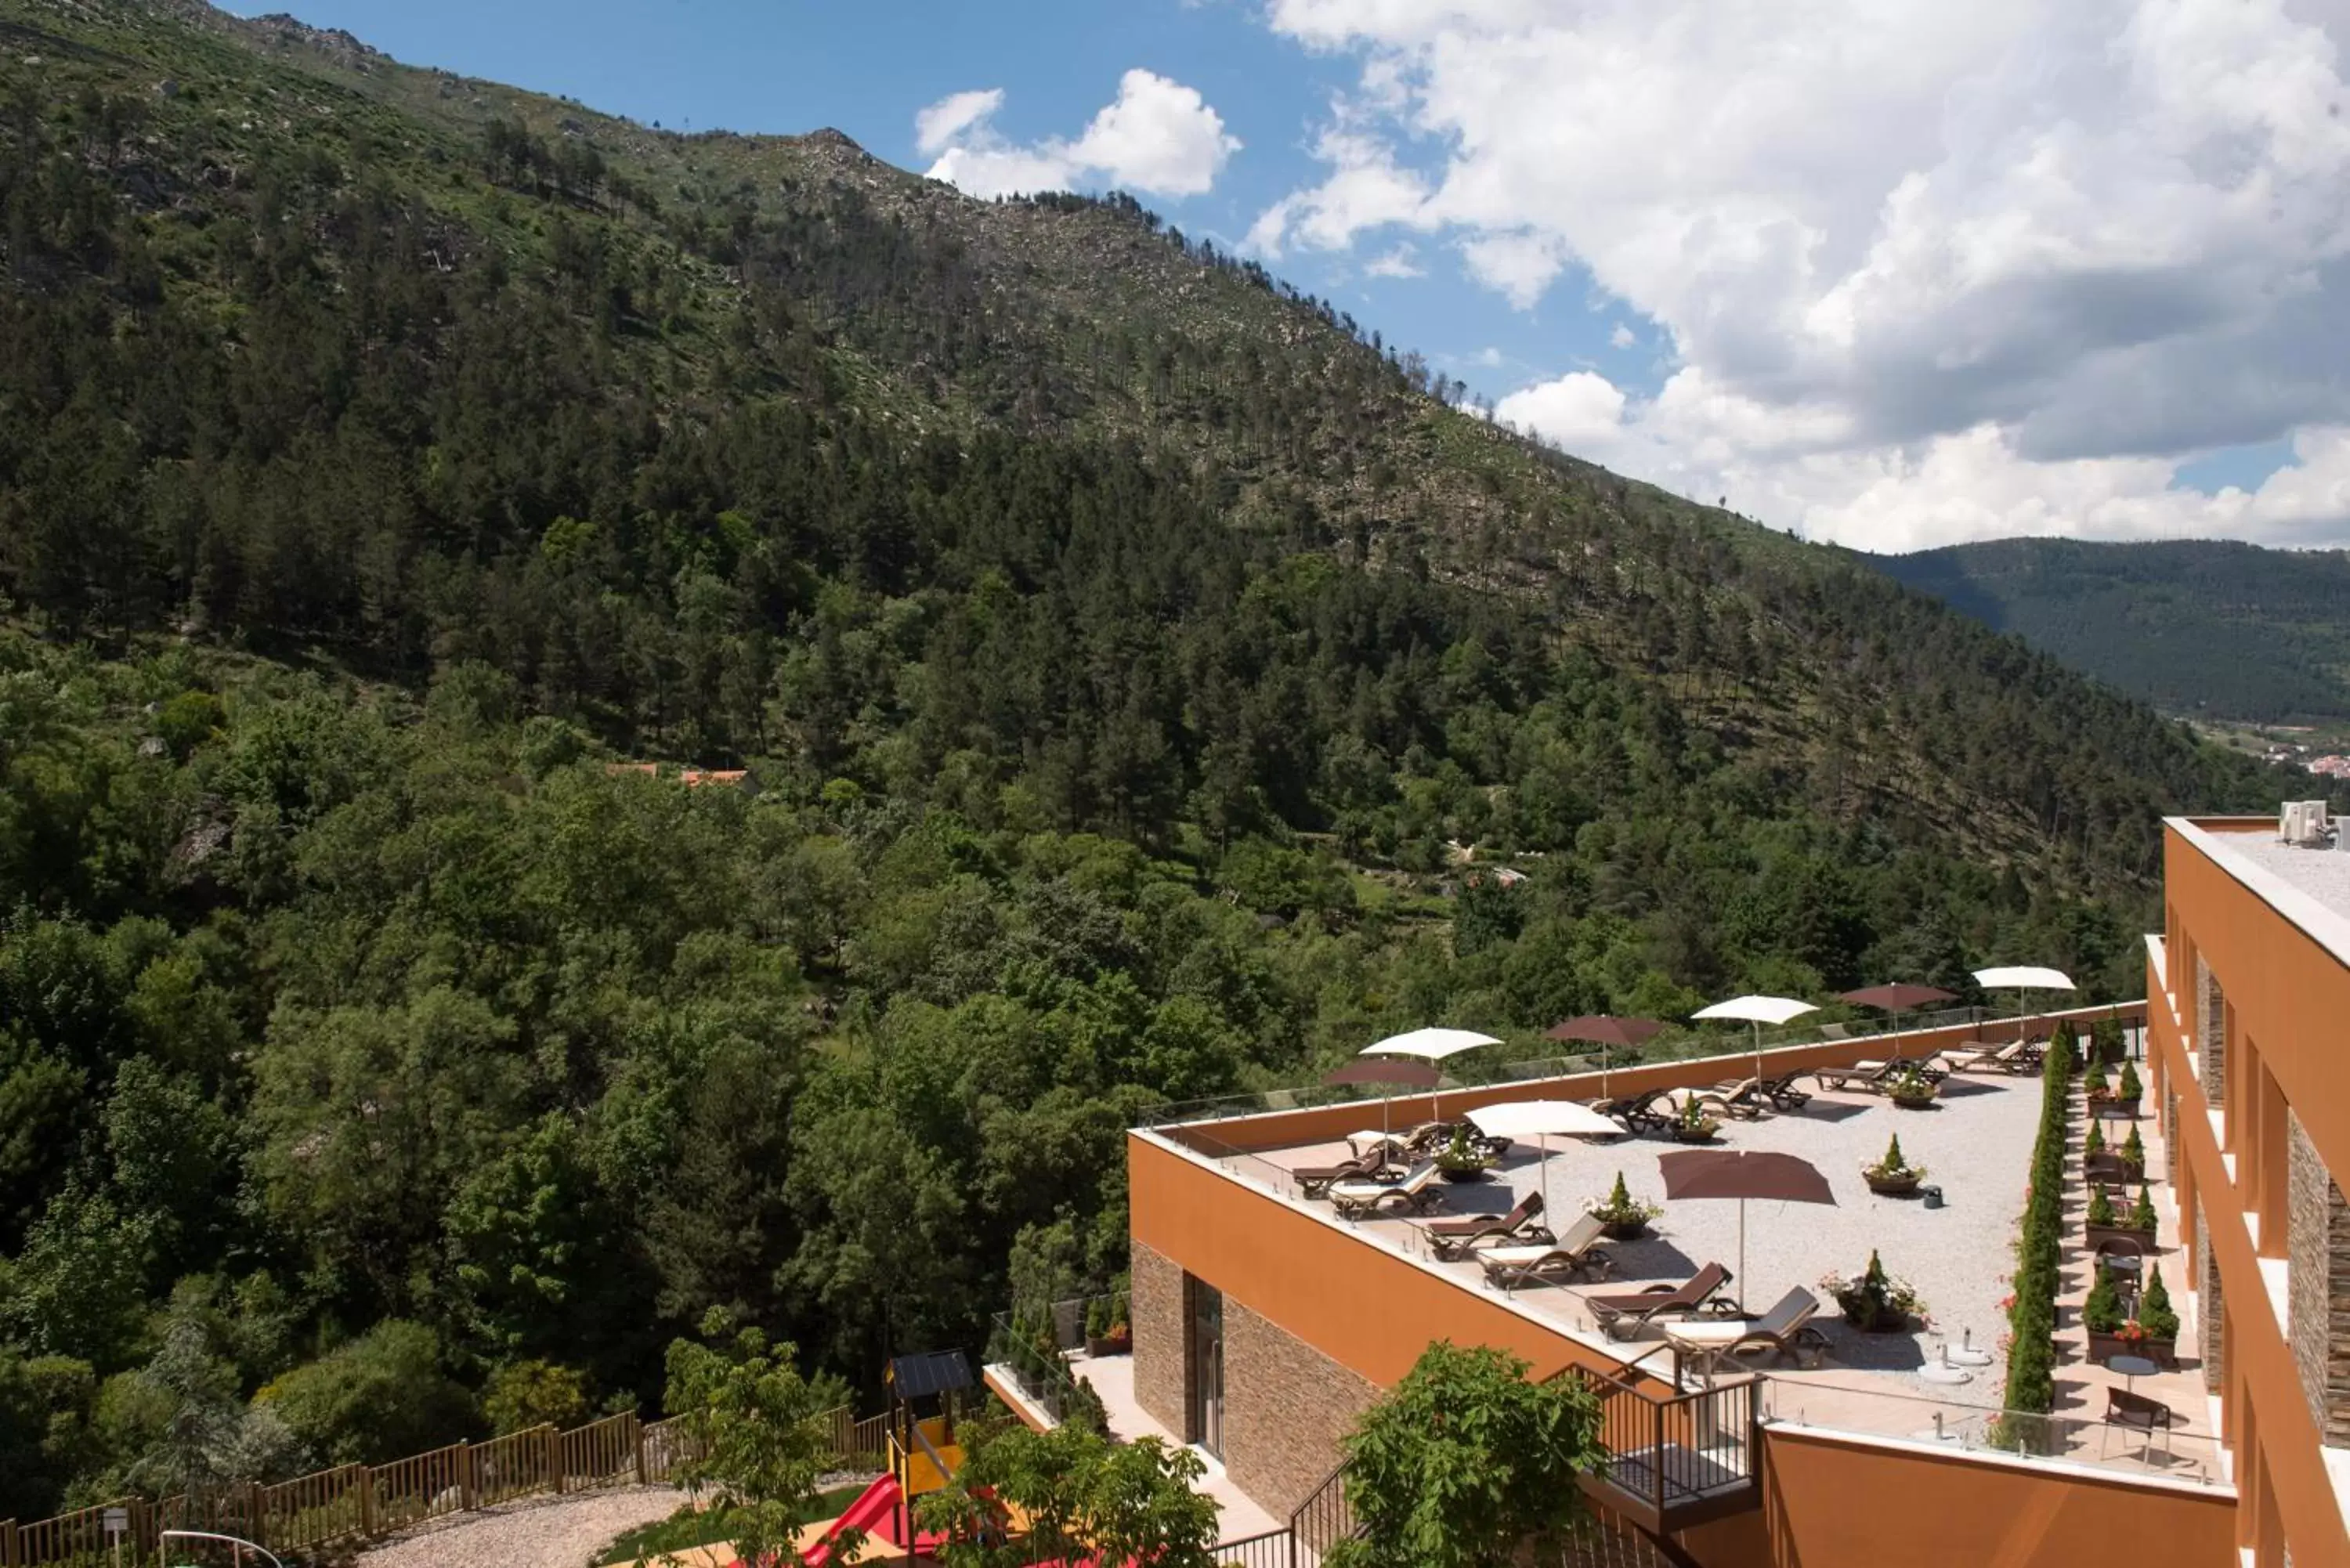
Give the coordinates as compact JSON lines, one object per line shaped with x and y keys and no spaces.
{"x":1604,"y":1030}
{"x":1742,"y":1174}
{"x":1402,"y":1074}
{"x":1900,"y":997}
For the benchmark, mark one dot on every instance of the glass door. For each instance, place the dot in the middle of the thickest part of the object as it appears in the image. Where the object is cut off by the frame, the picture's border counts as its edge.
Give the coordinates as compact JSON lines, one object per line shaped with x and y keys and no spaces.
{"x":1208,"y":1367}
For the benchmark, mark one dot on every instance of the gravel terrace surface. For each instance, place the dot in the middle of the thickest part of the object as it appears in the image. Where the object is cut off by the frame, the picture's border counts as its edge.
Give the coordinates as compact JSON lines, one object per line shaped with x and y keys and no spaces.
{"x":1976,"y":1142}
{"x":534,"y":1532}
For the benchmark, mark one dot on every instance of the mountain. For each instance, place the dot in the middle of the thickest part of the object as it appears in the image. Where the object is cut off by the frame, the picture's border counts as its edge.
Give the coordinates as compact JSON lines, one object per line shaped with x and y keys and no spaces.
{"x":2209,"y":627}
{"x":1124,"y":649}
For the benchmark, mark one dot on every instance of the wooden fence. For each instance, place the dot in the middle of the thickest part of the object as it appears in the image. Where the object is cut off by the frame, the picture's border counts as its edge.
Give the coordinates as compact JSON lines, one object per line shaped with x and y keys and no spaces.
{"x":358,"y":1502}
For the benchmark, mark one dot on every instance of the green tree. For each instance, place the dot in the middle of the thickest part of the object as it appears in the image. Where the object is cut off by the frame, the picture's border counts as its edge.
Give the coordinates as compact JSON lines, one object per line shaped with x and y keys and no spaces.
{"x":383,"y":1395}
{"x":1082,"y":1493}
{"x":759,"y":1446}
{"x":1465,"y":1459}
{"x":525,"y":1394}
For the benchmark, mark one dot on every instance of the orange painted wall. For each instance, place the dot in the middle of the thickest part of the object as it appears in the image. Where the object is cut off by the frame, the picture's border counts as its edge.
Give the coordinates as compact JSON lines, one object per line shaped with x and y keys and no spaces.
{"x":1361,"y":1306}
{"x":1322,"y":1124}
{"x":2291,"y":998}
{"x":1829,"y":1503}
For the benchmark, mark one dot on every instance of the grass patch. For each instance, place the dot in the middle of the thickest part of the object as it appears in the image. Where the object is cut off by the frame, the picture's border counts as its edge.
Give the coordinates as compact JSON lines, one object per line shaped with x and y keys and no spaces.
{"x":689,"y":1528}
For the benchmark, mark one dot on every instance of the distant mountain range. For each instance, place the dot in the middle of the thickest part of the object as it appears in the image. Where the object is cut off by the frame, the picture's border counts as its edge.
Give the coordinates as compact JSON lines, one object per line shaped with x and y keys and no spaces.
{"x":2210,"y":629}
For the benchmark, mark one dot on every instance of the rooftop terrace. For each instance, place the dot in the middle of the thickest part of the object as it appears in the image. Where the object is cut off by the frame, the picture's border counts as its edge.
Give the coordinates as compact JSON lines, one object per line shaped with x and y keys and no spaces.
{"x":1976,"y":1141}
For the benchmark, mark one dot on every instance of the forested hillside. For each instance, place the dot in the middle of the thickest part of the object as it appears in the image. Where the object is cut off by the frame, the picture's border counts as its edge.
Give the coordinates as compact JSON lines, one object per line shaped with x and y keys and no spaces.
{"x":1115,"y":641}
{"x":2211,"y":627}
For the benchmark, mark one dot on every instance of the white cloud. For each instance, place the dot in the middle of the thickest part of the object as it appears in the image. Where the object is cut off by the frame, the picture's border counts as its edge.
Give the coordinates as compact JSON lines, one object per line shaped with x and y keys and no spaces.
{"x":1157,"y":136}
{"x":936,"y":126}
{"x":1622,"y":337}
{"x":1926,"y":270}
{"x":1401,"y":261}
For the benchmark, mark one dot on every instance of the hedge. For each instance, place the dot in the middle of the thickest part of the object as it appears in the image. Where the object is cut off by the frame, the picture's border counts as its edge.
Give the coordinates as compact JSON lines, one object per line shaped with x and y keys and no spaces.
{"x":2039,"y":1248}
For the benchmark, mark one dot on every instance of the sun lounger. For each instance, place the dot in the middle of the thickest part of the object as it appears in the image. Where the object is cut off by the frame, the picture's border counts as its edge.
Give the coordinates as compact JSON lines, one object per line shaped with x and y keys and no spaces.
{"x":1860,"y":1075}
{"x":1981,"y":1059}
{"x":1507,"y":1268}
{"x":1637,"y":1112}
{"x":1740,"y":1098}
{"x":1360,"y":1200}
{"x":1787,"y":1329}
{"x":1622,"y":1314}
{"x":1313,"y":1180}
{"x":1457,"y":1238}
{"x":1781,"y":1092}
{"x":1362,"y":1143}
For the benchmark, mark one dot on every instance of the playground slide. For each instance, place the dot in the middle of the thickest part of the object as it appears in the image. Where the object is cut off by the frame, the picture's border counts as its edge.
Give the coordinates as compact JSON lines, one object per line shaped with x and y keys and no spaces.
{"x":873,"y":1512}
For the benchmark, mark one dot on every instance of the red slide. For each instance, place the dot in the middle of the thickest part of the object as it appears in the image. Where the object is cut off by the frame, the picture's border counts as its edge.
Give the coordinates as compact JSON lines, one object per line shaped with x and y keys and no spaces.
{"x":874,"y":1510}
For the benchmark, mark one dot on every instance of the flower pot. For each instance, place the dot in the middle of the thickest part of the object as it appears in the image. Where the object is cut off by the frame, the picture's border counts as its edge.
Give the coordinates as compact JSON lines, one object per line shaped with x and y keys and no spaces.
{"x":2097,"y":1235}
{"x":2104,"y":1347}
{"x":1915,"y":1102}
{"x":1872,"y":1319}
{"x":1626,"y":1229}
{"x":1465,"y":1173}
{"x":1900,"y":1184}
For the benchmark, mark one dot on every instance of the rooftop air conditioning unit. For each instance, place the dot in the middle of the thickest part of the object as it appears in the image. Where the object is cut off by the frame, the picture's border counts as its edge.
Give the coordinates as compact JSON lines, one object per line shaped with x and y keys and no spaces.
{"x":2291,"y":816}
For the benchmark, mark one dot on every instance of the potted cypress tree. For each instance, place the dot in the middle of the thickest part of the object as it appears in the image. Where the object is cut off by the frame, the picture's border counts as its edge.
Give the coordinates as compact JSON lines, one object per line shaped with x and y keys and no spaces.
{"x":2129,"y":1090}
{"x":1911,"y":1090}
{"x":1461,"y":1160}
{"x":2133,"y":1153}
{"x":1626,"y":1216}
{"x":2102,"y":1315}
{"x":2096,"y":1142}
{"x":2107,"y":1225}
{"x":1893,"y":1175}
{"x":2158,"y":1321}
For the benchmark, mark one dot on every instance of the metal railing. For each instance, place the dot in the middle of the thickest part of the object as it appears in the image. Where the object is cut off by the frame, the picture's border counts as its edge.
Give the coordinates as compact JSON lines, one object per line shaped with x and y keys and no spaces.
{"x":1274,"y":1549}
{"x":1504,"y":1064}
{"x":357,"y":1503}
{"x":1681,"y":1449}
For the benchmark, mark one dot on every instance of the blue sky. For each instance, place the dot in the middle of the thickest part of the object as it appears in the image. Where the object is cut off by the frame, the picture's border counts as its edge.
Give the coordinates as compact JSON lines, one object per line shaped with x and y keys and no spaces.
{"x":1820,"y":286}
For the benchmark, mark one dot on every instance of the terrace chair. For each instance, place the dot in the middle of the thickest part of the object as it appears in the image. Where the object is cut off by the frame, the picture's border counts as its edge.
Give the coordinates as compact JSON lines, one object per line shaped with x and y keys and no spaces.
{"x":1744,"y":1097}
{"x":1507,"y":1268}
{"x":1868,"y":1077}
{"x":2148,"y":1414}
{"x":1980,"y":1058}
{"x":1786,"y":1330}
{"x":1624,"y":1313}
{"x":2107,"y":1168}
{"x":1314,"y":1180}
{"x":1457,"y":1238}
{"x":1362,"y":1199}
{"x":1781,"y":1092}
{"x":1637,"y":1112}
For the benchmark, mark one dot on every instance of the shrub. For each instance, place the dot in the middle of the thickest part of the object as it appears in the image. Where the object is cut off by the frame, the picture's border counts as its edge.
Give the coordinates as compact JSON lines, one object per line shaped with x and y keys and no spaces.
{"x":2134,"y":1149}
{"x":2031,"y":1320}
{"x":1620,"y":1208}
{"x":2129,"y":1088}
{"x":2103,"y":1310}
{"x":378,"y":1398}
{"x":2154,"y":1314}
{"x":525,"y":1394}
{"x":2142,"y":1212}
{"x":2096,"y":1142}
{"x":2101,"y":1208}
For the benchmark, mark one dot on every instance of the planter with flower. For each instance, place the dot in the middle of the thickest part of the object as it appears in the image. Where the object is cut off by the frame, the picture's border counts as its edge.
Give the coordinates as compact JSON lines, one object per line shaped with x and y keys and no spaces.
{"x":2096,"y":1142}
{"x":1695,"y":1122}
{"x":2098,"y":1085}
{"x":1106,"y":1330}
{"x":1893,"y":1175}
{"x":1626,"y":1216}
{"x":1911,"y":1090}
{"x":2133,"y":1154}
{"x":1461,"y":1159}
{"x":2129,"y":1090}
{"x":1874,"y":1301}
{"x":2157,"y":1322}
{"x":2106,"y":1224}
{"x":2103,"y":1317}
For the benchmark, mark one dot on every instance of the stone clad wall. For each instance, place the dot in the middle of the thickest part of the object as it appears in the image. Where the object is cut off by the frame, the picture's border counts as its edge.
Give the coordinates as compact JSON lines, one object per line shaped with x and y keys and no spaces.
{"x":2317,"y":1284}
{"x":1286,"y":1406}
{"x":2211,"y":1033}
{"x":1161,"y":1324}
{"x":2210,"y":1314}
